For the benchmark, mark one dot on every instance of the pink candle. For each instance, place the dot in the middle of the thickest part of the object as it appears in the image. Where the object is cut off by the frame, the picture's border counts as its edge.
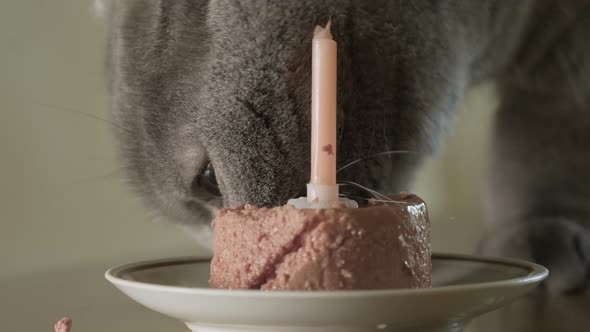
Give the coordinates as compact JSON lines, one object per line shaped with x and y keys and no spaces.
{"x":323,"y":113}
{"x":322,"y":190}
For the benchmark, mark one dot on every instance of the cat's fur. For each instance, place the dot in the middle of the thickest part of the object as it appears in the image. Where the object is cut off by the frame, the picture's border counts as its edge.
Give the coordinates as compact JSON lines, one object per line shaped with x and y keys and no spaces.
{"x":228,"y":81}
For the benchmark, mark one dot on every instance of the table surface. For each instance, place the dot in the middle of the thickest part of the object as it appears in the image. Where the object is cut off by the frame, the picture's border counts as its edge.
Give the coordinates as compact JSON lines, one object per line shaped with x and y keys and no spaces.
{"x":34,"y":302}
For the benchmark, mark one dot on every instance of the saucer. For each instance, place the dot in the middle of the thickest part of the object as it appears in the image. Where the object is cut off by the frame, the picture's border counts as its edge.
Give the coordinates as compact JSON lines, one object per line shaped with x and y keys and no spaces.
{"x":463,"y":288}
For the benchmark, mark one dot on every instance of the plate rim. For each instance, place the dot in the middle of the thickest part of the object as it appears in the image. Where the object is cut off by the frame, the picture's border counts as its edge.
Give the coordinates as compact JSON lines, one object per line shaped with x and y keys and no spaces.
{"x":537,"y":273}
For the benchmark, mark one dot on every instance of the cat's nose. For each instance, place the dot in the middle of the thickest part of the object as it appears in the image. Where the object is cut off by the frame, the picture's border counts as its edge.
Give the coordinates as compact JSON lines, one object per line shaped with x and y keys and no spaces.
{"x":258,"y":185}
{"x":239,"y":183}
{"x":265,"y":196}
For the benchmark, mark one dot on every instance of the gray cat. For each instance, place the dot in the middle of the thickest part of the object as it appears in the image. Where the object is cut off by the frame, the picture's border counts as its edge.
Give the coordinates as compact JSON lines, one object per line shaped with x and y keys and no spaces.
{"x":213,"y":100}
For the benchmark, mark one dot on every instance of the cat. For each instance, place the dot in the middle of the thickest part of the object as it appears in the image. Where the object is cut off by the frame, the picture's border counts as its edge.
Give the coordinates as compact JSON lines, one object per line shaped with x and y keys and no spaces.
{"x":212,"y":103}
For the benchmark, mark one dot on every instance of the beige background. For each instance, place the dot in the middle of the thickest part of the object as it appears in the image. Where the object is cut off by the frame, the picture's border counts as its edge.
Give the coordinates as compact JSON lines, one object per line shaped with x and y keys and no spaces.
{"x":62,"y":205}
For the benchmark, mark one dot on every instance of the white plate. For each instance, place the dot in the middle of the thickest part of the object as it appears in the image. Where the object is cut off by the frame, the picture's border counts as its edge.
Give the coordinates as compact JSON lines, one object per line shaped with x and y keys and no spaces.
{"x":463,"y":287}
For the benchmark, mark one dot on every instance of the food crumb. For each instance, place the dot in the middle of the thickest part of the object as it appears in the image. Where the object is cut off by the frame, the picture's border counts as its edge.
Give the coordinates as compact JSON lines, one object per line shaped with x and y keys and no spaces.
{"x":63,"y":325}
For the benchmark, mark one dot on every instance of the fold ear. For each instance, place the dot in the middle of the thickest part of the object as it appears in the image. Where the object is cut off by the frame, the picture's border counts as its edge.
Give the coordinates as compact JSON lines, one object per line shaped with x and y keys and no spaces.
{"x":99,"y":8}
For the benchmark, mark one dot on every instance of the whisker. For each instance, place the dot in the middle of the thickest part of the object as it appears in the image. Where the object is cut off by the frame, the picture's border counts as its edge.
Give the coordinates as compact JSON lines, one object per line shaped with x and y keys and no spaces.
{"x":298,"y":194}
{"x":372,"y":199}
{"x":113,"y":175}
{"x":375,"y":193}
{"x":385,"y":201}
{"x":369,"y":190}
{"x":72,"y":110}
{"x":386,"y":153}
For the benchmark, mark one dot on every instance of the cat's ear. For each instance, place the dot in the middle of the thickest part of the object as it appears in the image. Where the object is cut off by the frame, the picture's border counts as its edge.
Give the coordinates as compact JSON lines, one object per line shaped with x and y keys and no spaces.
{"x":100,"y":8}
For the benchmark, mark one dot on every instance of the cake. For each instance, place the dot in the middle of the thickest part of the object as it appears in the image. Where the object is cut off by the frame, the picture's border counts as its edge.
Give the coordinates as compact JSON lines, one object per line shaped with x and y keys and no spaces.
{"x":286,"y":248}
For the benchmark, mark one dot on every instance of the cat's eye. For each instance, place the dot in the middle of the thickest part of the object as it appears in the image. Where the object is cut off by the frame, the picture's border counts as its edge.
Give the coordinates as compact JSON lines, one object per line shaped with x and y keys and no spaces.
{"x":208,"y":181}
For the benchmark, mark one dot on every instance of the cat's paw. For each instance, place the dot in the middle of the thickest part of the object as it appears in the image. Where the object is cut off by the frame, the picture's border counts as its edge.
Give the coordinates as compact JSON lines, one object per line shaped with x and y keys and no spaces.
{"x":561,"y":245}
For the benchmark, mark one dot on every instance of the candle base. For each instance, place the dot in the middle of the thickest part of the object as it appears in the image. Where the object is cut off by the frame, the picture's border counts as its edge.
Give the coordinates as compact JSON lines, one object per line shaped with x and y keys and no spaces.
{"x":322,"y":197}
{"x":322,"y":192}
{"x":304,"y":203}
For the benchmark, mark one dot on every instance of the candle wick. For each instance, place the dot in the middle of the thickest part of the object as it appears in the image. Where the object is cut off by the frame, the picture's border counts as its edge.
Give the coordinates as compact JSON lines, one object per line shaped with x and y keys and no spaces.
{"x":324,"y":32}
{"x":328,"y":25}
